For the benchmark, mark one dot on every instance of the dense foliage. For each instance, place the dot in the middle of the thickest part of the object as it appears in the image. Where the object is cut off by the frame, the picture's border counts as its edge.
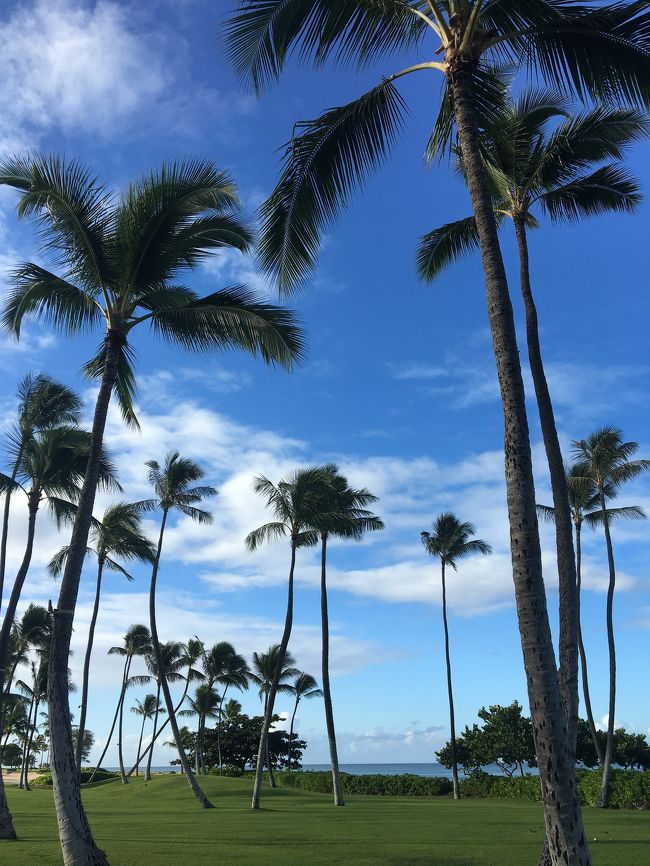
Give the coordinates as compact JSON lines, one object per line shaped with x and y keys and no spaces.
{"x":406,"y":785}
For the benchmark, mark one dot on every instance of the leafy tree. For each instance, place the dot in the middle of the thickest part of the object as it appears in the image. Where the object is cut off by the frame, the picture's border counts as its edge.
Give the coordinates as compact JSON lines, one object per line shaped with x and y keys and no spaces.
{"x":450,"y":541}
{"x":304,"y":686}
{"x":631,"y":751}
{"x":226,"y":667}
{"x":240,"y":740}
{"x":12,"y":756}
{"x":123,"y":259}
{"x":116,"y":536}
{"x":294,"y":501}
{"x":605,"y":459}
{"x":596,"y":50}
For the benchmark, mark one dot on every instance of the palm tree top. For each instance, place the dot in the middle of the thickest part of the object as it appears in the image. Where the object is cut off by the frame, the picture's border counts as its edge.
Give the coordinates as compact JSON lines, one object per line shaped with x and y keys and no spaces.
{"x":342,"y":510}
{"x":263,"y":668}
{"x":42,"y":403}
{"x":606,"y":458}
{"x":452,"y":540}
{"x":305,"y":686}
{"x":171,"y":483}
{"x":137,"y":641}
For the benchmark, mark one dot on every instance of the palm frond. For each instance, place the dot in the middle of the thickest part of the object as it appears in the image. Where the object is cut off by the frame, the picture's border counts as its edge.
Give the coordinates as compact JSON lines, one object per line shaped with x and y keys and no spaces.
{"x":442,"y":246}
{"x":125,"y":384}
{"x":628,"y":512}
{"x":546,"y":513}
{"x":267,"y":532}
{"x":608,"y":188}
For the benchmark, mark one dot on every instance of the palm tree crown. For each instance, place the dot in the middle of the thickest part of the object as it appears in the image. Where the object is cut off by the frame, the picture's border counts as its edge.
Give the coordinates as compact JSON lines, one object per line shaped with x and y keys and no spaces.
{"x":606,"y":459}
{"x":452,"y":540}
{"x":172,"y":484}
{"x":264,"y":666}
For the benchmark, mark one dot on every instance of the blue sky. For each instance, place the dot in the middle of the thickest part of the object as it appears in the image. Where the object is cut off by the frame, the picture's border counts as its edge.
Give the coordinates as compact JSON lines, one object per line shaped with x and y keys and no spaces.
{"x":399,"y":387}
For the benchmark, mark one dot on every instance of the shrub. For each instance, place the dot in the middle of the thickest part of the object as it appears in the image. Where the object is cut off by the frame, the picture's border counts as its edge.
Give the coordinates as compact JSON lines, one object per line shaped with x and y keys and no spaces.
{"x":85,"y":775}
{"x":406,"y":785}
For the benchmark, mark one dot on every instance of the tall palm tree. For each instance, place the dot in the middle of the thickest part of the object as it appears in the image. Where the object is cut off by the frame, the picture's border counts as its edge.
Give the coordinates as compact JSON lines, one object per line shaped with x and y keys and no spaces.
{"x":123,"y":259}
{"x":205,"y":705}
{"x":172,"y":662}
{"x":175,"y":487}
{"x":42,"y":403}
{"x":604,"y":458}
{"x":342,"y":513}
{"x":137,"y":642}
{"x":263,"y":670}
{"x":293,"y":502}
{"x":584,"y":503}
{"x":450,"y":541}
{"x":598,"y":50}
{"x":303,"y":686}
{"x":226,"y":667}
{"x":116,"y":536}
{"x":541,"y":156}
{"x":146,"y":709}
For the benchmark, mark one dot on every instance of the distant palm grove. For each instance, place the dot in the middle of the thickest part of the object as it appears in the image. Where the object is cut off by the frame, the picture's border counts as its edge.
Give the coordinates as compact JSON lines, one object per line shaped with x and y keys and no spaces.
{"x":536,"y":103}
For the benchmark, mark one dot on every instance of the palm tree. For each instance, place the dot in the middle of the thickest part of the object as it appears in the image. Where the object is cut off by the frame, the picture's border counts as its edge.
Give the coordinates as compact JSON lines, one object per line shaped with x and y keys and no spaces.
{"x":293,"y":502}
{"x":116,"y":535}
{"x":450,"y":541}
{"x":263,"y":673}
{"x":597,"y":50}
{"x":172,"y":662}
{"x":584,"y":503}
{"x":205,"y":705}
{"x":304,"y":686}
{"x":224,"y":666}
{"x":137,"y":642}
{"x":605,"y":459}
{"x":342,"y":513}
{"x":146,"y":708}
{"x":42,"y":403}
{"x":542,"y":156}
{"x":174,"y":492}
{"x":123,"y":260}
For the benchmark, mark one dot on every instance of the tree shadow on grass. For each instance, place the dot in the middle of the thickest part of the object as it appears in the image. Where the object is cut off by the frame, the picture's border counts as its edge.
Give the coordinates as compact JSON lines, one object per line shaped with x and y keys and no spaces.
{"x":429,"y":860}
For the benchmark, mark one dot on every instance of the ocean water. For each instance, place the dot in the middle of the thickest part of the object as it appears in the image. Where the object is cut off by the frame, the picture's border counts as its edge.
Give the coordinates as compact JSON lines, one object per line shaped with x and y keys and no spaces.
{"x":386,"y":769}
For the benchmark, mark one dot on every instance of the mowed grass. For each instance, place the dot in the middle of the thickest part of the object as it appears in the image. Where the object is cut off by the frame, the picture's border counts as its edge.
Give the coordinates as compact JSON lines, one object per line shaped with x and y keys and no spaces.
{"x":159,"y":822}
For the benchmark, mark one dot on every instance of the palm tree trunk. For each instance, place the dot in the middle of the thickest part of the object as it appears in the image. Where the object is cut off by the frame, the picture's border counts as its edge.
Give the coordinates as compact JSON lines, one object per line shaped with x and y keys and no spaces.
{"x":197,"y":749}
{"x":450,"y":693}
{"x":30,"y":740}
{"x":154,"y":734}
{"x":157,"y":733}
{"x":137,"y":766}
{"x":77,"y":843}
{"x":609,"y":742}
{"x":566,"y":566}
{"x":564,"y":829}
{"x":194,"y":785}
{"x":293,"y":718}
{"x":120,"y":752}
{"x":337,"y":787}
{"x":5,"y":520}
{"x":284,"y":643}
{"x":23,"y":757}
{"x":86,"y":673}
{"x":223,"y":698}
{"x":115,"y":718}
{"x":583,"y":654}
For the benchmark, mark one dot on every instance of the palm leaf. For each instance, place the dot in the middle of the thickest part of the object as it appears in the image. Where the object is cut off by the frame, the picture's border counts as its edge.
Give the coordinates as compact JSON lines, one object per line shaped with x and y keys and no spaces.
{"x":444,"y":245}
{"x":608,"y":188}
{"x":125,"y":385}
{"x":267,"y":532}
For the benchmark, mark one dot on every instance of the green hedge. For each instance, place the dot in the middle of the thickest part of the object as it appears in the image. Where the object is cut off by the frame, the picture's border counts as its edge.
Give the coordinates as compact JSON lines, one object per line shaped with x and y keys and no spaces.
{"x":630,"y":788}
{"x":406,"y":785}
{"x":85,"y":776}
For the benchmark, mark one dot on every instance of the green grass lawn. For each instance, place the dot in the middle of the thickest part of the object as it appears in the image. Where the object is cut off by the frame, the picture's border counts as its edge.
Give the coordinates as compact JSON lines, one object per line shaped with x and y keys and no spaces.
{"x":161,"y":823}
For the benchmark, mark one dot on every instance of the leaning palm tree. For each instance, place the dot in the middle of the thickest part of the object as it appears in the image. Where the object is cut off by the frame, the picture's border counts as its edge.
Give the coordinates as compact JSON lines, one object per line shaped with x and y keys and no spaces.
{"x":584,"y":503}
{"x":123,"y":261}
{"x":116,"y":536}
{"x":450,"y":541}
{"x":42,"y":403}
{"x":146,"y":709}
{"x":172,"y":662}
{"x":606,"y":460}
{"x":304,"y":687}
{"x":543,"y":157}
{"x":342,"y":513}
{"x":293,"y":502}
{"x":204,"y":705}
{"x":602,"y":51}
{"x":263,"y":672}
{"x":137,"y":642}
{"x":175,"y":487}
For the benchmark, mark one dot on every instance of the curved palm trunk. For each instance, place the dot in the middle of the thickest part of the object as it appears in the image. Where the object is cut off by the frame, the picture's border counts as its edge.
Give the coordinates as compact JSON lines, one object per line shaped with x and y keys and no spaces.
{"x":137,"y":766}
{"x":197,"y":749}
{"x":77,"y":843}
{"x":23,"y":758}
{"x":289,"y":747}
{"x":5,"y":520}
{"x":284,"y":643}
{"x":609,"y":742}
{"x":450,"y":693}
{"x":157,"y":733}
{"x":154,"y":735}
{"x":30,"y":740}
{"x":564,"y":829}
{"x":120,"y":725}
{"x":7,"y":830}
{"x":115,"y":718}
{"x":267,"y":749}
{"x":566,"y":565}
{"x":196,"y":790}
{"x":223,"y":698}
{"x":86,"y":673}
{"x":337,"y":787}
{"x":583,"y":654}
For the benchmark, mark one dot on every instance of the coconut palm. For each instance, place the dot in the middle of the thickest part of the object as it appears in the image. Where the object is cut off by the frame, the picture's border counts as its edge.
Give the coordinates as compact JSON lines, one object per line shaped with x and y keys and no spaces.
{"x":304,"y":687}
{"x":42,"y":403}
{"x":293,"y":502}
{"x":450,"y":541}
{"x":122,"y":261}
{"x":116,"y":536}
{"x":584,"y":503}
{"x":600,"y":51}
{"x":226,"y":667}
{"x":541,"y":156}
{"x":175,"y":487}
{"x":146,"y":709}
{"x":35,"y":692}
{"x":606,"y":460}
{"x":264,"y":669}
{"x":137,"y":642}
{"x":342,"y":513}
{"x":205,"y":705}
